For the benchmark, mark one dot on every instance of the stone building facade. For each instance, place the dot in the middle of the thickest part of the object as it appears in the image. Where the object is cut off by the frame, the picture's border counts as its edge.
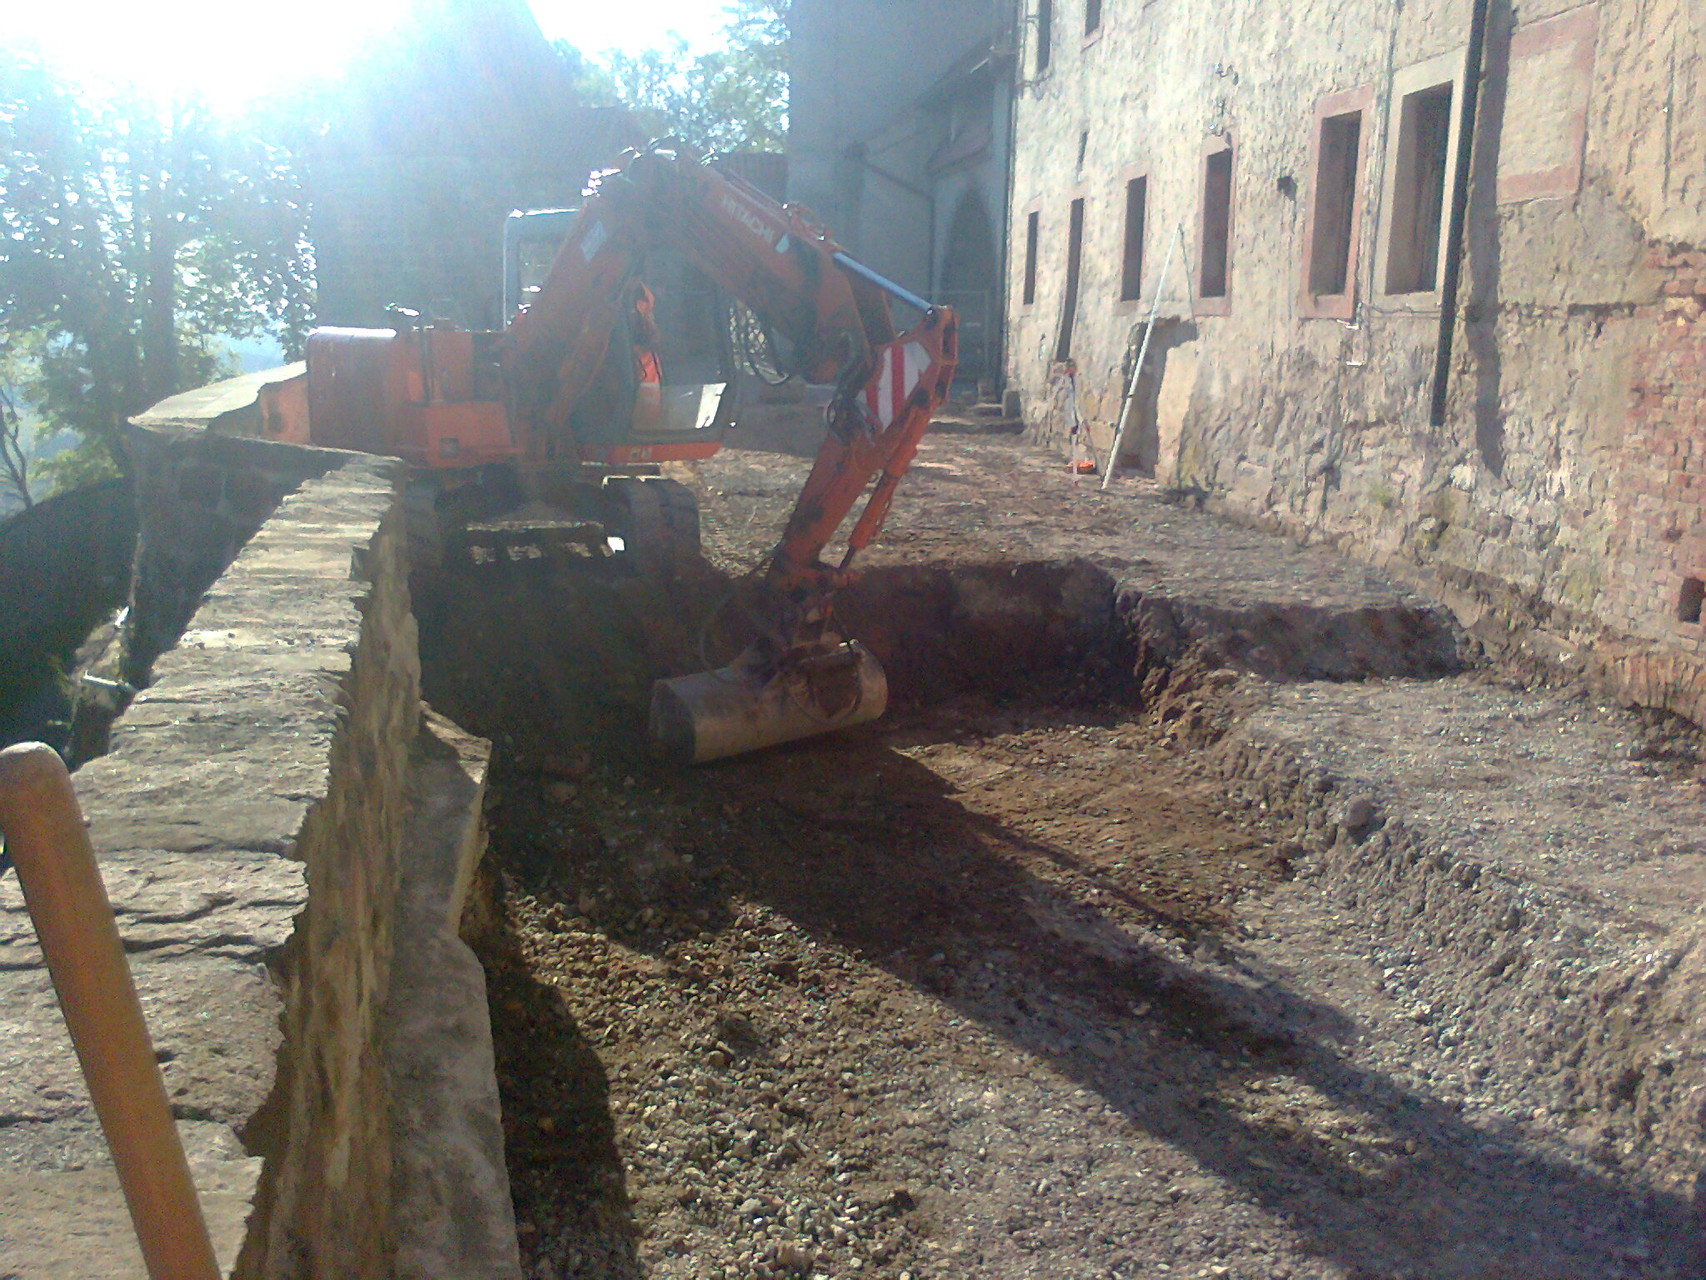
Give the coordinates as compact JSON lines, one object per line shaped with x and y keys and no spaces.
{"x":899,"y":121}
{"x":1299,"y":163}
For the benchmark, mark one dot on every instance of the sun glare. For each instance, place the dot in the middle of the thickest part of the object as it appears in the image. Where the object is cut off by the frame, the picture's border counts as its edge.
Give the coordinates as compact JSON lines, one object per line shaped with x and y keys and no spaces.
{"x":226,"y":54}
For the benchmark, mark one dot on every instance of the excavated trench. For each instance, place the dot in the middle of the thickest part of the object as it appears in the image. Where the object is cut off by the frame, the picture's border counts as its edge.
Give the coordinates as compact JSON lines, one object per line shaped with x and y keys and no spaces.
{"x":970,"y":992}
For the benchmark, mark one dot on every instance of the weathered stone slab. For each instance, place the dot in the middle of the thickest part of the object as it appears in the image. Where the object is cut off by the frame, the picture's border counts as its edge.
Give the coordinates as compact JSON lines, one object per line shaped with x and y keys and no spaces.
{"x":213,"y":1022}
{"x":451,"y":1202}
{"x":68,"y":1221}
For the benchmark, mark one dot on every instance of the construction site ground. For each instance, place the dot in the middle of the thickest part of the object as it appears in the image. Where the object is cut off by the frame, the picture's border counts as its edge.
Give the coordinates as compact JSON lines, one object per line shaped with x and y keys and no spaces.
{"x":1077,"y":973}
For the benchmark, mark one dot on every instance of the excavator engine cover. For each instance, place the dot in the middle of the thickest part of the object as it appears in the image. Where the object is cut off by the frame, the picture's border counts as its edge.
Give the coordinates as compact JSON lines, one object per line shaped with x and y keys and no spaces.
{"x":746,"y":706}
{"x":355,"y":383}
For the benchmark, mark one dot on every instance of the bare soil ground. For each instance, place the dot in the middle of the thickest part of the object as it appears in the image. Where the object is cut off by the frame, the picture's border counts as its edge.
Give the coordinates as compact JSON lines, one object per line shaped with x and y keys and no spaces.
{"x":849,"y":1006}
{"x":1002,"y":986}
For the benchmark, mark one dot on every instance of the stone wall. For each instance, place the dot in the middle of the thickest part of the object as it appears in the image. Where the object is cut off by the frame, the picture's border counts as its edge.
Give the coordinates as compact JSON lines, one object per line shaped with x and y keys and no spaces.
{"x":1658,"y":546}
{"x":1558,"y":495}
{"x":199,"y":498}
{"x":154,"y":542}
{"x":323,"y":1206}
{"x":250,"y":819}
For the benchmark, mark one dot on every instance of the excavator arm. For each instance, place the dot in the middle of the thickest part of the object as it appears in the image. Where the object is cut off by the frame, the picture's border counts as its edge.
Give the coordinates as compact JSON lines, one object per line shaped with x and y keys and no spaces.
{"x":832,"y":322}
{"x":830,"y":314}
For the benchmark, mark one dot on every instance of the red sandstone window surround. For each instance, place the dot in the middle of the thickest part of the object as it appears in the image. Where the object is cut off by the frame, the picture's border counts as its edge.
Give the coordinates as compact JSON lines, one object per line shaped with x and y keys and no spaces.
{"x":1546,"y":106}
{"x":1420,"y":140}
{"x":1336,"y":196}
{"x":1214,"y":229}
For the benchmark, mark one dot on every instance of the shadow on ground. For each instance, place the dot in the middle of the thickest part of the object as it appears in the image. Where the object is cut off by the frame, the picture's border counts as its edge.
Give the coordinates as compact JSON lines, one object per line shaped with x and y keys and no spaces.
{"x":911,"y":880}
{"x":1139,"y":996}
{"x":560,"y":1139}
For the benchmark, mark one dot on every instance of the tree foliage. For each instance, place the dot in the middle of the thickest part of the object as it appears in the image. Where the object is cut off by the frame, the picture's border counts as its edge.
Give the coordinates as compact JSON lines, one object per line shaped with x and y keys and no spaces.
{"x":14,"y":458}
{"x":134,"y":238}
{"x":731,"y":99}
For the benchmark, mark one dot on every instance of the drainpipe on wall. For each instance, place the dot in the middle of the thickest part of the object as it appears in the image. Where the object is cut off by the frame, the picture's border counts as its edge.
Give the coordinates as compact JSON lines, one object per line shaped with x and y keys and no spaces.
{"x":1011,"y":167}
{"x":1454,"y":236}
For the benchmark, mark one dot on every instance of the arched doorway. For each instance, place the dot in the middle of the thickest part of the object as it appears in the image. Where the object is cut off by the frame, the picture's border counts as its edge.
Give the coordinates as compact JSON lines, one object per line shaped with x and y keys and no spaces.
{"x":970,"y":283}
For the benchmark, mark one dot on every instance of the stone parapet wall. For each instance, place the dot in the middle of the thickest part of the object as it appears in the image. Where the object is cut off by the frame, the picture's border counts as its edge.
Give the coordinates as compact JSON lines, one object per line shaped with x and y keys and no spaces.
{"x":324,"y":1202}
{"x":199,"y":498}
{"x":249,"y":819}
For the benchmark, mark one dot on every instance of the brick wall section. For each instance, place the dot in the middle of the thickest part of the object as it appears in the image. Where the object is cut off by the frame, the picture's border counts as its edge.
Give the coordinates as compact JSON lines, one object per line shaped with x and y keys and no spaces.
{"x":1663,"y":460}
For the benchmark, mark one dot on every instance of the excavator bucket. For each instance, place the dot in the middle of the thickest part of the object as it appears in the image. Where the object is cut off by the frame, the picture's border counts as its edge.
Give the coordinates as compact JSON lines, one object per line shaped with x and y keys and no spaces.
{"x":748,"y":705}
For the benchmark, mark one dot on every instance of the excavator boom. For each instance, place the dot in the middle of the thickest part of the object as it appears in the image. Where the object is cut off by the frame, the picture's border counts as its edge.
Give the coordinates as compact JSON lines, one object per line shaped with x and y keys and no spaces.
{"x":832,"y":317}
{"x":799,"y":677}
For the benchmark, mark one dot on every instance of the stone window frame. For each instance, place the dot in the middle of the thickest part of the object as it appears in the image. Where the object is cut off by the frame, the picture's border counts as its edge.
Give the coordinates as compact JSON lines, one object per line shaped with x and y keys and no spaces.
{"x":1338,"y":306}
{"x":1043,"y":51}
{"x":1579,"y":26}
{"x":1034,"y":206}
{"x":1444,"y":68}
{"x":1092,"y":34}
{"x":1077,"y":192}
{"x":1123,"y":306}
{"x":1220,"y":305}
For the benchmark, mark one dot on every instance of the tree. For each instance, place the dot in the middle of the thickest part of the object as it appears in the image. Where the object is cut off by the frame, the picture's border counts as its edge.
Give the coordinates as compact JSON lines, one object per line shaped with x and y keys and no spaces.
{"x":14,"y":461}
{"x":732,"y":99}
{"x":134,"y":237}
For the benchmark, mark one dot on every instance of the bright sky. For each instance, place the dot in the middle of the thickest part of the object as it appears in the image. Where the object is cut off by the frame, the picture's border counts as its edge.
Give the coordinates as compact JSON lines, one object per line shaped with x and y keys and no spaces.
{"x":632,"y":25}
{"x":231,"y":52}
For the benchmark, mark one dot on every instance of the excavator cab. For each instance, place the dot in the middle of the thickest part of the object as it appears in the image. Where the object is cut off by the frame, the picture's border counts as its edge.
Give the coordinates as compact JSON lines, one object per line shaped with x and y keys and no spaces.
{"x":670,"y":401}
{"x":531,"y":240}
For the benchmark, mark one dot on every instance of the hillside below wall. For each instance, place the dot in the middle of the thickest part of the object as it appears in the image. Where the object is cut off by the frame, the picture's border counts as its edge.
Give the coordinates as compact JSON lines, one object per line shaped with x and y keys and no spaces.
{"x":64,"y":566}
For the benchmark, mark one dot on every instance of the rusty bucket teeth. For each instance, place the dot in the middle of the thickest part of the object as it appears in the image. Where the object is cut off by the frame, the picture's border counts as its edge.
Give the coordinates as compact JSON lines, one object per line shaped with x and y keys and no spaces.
{"x":746,"y":706}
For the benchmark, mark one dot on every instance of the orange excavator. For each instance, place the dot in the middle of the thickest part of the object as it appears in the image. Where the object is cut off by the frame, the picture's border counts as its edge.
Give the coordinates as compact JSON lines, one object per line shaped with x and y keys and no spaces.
{"x":576,"y":378}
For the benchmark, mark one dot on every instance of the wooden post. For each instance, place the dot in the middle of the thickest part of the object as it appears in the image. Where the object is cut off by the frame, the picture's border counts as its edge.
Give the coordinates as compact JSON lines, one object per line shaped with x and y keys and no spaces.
{"x":67,"y":900}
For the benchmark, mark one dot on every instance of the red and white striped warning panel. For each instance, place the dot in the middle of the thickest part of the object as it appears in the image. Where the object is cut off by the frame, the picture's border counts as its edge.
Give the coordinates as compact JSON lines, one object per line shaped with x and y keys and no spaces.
{"x":902,"y":365}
